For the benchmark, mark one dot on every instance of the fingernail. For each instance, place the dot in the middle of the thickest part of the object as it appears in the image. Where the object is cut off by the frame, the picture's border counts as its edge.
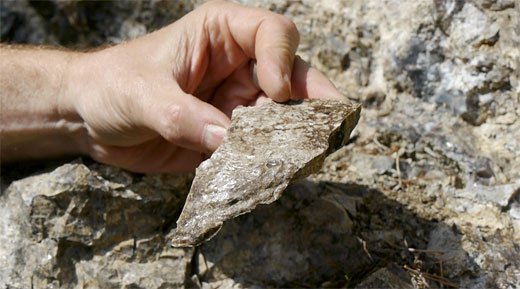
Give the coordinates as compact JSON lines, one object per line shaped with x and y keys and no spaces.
{"x":254,"y":76}
{"x":287,"y":80}
{"x":213,"y":136}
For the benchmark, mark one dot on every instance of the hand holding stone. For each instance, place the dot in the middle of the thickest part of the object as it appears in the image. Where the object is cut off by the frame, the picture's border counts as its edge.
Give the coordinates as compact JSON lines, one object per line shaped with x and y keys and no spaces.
{"x":162,"y":102}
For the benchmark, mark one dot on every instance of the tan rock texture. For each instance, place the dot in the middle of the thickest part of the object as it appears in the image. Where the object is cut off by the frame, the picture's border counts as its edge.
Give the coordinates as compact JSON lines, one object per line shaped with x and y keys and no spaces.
{"x":266,"y":147}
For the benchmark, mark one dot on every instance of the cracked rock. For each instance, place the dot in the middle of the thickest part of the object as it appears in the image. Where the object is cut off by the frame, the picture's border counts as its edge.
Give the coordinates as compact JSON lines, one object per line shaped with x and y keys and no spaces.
{"x":266,"y":147}
{"x":91,"y":227}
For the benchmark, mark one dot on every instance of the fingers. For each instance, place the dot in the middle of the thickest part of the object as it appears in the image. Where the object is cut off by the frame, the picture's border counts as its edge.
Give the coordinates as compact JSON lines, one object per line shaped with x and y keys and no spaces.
{"x":308,"y":82}
{"x":272,"y":40}
{"x":269,"y":38}
{"x":185,"y":120}
{"x":261,"y":99}
{"x":238,"y":89}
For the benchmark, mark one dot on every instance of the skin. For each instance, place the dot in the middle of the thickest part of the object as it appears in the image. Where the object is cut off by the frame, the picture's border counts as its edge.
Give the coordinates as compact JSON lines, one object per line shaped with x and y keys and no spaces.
{"x":160,"y":103}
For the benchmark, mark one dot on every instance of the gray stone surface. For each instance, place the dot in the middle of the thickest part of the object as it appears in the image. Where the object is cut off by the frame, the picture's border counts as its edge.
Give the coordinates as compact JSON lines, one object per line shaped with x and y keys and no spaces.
{"x":74,"y":228}
{"x":391,"y":277}
{"x":266,"y":147}
{"x":302,"y":240}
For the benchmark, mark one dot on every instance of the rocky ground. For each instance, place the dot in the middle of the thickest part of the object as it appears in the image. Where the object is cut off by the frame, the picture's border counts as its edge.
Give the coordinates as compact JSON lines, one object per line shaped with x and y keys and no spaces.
{"x":427,"y":190}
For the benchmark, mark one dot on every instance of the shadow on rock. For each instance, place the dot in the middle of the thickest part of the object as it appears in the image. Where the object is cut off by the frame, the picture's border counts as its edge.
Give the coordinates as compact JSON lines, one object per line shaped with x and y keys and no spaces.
{"x":328,"y":234}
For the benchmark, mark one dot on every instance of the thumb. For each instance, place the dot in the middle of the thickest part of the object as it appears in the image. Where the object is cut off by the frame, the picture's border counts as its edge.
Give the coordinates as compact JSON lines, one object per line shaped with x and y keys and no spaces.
{"x":269,"y":38}
{"x":275,"y":48}
{"x":187,"y":121}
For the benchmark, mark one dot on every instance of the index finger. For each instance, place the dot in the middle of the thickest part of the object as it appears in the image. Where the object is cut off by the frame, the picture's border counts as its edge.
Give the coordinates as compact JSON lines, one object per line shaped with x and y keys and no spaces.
{"x":269,"y":38}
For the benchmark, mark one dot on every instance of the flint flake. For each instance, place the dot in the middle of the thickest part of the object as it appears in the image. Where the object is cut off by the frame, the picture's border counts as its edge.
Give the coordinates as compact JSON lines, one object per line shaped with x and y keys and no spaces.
{"x":266,"y":147}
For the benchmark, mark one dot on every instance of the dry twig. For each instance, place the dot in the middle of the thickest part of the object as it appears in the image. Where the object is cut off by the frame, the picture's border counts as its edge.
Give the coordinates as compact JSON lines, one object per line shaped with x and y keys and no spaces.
{"x":433,"y":277}
{"x":398,"y":154}
{"x":365,"y":248}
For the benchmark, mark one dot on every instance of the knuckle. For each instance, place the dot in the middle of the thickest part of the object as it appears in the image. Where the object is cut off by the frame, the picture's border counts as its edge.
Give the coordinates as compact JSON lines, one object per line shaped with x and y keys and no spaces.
{"x":171,"y":124}
{"x":288,"y":29}
{"x":287,"y":24}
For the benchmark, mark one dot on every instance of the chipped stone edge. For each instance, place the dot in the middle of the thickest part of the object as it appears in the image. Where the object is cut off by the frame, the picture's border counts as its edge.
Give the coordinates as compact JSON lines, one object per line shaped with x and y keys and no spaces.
{"x":336,"y":141}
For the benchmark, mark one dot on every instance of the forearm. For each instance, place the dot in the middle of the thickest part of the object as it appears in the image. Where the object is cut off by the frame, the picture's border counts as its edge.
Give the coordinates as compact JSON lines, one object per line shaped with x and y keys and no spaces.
{"x":36,"y":121}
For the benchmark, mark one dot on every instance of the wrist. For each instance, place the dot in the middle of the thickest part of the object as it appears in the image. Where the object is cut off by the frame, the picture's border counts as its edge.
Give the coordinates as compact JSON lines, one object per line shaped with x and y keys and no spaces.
{"x":36,"y":121}
{"x":68,"y":88}
{"x":71,"y":124}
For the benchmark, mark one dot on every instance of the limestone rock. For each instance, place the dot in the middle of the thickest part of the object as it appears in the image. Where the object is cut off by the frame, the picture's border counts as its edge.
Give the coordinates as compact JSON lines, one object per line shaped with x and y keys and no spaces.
{"x":73,"y":228}
{"x":266,"y":147}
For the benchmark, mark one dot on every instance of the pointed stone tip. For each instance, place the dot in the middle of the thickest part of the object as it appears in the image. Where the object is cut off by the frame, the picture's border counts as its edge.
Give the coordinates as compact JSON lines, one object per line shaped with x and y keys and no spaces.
{"x":186,"y":240}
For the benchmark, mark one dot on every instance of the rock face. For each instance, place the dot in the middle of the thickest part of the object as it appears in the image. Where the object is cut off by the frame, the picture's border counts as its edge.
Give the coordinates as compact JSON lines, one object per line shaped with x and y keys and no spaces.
{"x":75,"y":228}
{"x":266,"y":147}
{"x":302,"y":240}
{"x":434,"y":162}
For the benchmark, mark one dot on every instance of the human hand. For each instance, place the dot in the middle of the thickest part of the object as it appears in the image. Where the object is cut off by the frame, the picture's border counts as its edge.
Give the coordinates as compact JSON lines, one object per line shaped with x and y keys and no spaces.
{"x":161,"y":102}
